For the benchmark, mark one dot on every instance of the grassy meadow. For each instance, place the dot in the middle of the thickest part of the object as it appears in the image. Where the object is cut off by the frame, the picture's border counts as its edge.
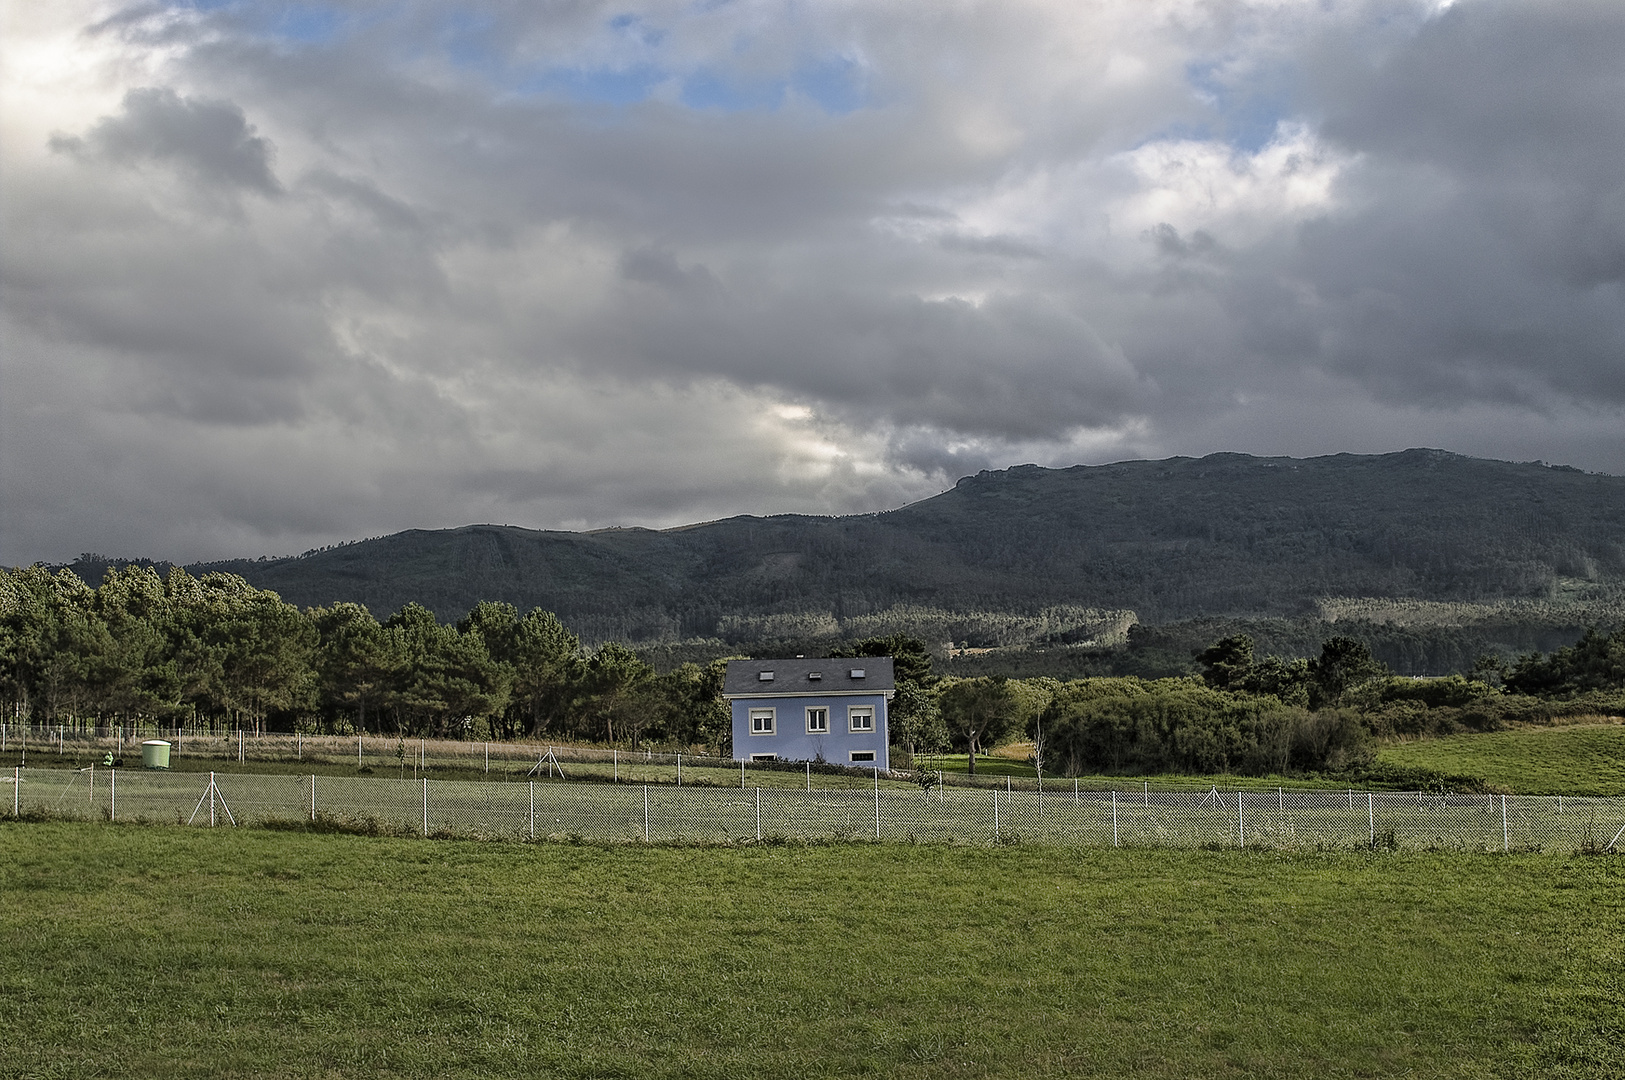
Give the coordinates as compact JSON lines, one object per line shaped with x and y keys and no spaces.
{"x":136,"y":952}
{"x":1580,"y":759}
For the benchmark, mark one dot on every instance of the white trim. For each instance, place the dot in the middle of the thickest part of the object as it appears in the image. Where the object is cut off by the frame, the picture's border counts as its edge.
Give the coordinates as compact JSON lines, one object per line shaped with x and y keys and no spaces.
{"x":823,"y":711}
{"x":861,"y":755}
{"x":771,"y":715}
{"x":764,"y":757}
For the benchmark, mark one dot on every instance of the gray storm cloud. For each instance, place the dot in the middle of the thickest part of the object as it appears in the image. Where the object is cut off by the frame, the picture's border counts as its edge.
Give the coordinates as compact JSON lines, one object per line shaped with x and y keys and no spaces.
{"x":275,"y":280}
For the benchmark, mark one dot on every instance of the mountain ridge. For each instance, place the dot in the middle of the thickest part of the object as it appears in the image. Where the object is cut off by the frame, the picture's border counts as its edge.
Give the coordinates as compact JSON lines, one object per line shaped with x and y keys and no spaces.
{"x":1224,"y":534}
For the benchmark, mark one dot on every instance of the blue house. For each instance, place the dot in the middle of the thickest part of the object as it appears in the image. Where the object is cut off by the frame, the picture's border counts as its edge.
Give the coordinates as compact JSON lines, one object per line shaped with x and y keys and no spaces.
{"x":811,"y":710}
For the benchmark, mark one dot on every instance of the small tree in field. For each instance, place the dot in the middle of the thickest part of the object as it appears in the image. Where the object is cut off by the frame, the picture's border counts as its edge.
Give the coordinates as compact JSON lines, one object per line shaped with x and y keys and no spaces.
{"x":978,"y":712}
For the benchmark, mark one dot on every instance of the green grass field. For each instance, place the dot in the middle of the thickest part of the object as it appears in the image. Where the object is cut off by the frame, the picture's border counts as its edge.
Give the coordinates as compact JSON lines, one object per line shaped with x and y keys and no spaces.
{"x":234,"y":953}
{"x":1579,"y":760}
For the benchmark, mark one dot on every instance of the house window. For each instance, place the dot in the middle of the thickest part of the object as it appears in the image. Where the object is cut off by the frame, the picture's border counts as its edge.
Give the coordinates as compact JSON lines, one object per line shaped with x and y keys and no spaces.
{"x":861,"y":719}
{"x":761,"y":721}
{"x":817,"y":721}
{"x":863,"y":755}
{"x":764,"y":757}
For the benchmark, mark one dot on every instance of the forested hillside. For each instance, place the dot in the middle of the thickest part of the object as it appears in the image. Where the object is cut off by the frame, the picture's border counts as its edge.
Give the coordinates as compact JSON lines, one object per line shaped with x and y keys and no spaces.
{"x":1045,"y":556}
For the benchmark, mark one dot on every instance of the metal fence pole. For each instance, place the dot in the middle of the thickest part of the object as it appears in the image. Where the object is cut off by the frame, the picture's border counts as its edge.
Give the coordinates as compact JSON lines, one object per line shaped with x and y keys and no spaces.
{"x":679,"y":770}
{"x":995,"y":794}
{"x":532,"y":809}
{"x":112,"y":795}
{"x":615,"y":764}
{"x":425,"y":806}
{"x":1241,"y":820}
{"x":487,"y":757}
{"x":1505,"y":838}
{"x":1371,"y":815}
{"x":645,"y":813}
{"x":239,"y":746}
{"x":758,"y":814}
{"x":877,"y":802}
{"x":809,"y":776}
{"x":1147,"y":784}
{"x":742,"y":778}
{"x":312,"y":796}
{"x":16,"y":791}
{"x":1114,"y":817}
{"x":358,"y":751}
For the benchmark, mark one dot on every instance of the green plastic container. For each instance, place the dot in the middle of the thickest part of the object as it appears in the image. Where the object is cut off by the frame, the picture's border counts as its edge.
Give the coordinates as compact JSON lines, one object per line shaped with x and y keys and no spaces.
{"x":155,"y":754}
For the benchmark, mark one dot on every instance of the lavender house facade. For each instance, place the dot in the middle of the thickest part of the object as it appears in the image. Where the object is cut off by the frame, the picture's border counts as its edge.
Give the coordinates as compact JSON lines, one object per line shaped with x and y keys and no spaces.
{"x":811,"y":710}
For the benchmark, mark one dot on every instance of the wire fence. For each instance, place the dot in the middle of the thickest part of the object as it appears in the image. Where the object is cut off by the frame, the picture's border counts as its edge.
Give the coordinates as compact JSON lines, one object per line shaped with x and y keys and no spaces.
{"x":535,"y":810}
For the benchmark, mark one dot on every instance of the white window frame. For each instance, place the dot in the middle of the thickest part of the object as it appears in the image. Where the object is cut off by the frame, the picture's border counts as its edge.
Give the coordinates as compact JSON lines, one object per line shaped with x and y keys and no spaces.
{"x":864,"y":712}
{"x":821,"y":711}
{"x":770,"y":715}
{"x":861,"y":755}
{"x":764,"y":757}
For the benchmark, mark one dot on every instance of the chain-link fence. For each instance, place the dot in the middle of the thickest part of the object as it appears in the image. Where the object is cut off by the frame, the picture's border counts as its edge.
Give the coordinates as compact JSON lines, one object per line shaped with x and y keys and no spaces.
{"x":533,"y":809}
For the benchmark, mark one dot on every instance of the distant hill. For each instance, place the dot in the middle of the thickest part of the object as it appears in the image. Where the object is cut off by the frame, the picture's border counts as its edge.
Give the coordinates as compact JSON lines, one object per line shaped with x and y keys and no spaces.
{"x":1051,"y":555}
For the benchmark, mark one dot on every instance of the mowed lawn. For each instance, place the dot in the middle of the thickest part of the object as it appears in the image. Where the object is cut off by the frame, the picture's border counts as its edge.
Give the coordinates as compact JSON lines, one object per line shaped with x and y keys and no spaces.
{"x":174,"y":952}
{"x":1584,"y":759}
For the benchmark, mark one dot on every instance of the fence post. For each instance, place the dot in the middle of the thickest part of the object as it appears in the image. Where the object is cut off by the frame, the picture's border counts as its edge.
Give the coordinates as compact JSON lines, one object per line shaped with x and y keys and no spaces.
{"x":1505,"y":839}
{"x":742,"y":778}
{"x":487,"y":757}
{"x":312,"y":797}
{"x":16,"y":791}
{"x":1280,"y":800}
{"x":358,"y":751}
{"x":1241,"y":819}
{"x":112,"y":795}
{"x":425,"y":806}
{"x":615,"y":764}
{"x":239,"y":746}
{"x":532,"y":809}
{"x":1074,"y":789}
{"x":809,"y":777}
{"x":1147,"y":784}
{"x":299,"y":745}
{"x":1370,"y":814}
{"x":758,"y":814}
{"x":995,"y":794}
{"x":679,"y":770}
{"x":1114,"y":817}
{"x":645,"y":813}
{"x":877,"y":802}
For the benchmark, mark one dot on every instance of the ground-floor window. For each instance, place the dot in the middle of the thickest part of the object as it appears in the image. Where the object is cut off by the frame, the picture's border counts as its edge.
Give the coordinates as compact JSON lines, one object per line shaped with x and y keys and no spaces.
{"x":863,"y":755}
{"x":764,"y":757}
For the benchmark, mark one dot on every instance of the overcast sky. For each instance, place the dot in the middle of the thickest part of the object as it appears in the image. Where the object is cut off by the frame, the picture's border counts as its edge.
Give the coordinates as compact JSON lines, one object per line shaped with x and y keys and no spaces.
{"x":277,"y":275}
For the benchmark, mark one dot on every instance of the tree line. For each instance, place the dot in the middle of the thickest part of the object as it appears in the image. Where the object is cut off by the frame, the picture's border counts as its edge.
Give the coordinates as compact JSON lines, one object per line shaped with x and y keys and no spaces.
{"x":1256,"y":715}
{"x":215,"y":649}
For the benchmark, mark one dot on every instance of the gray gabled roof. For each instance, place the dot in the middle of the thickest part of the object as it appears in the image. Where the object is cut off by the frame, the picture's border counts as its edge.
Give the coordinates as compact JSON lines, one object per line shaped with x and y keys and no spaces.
{"x":744,"y":678}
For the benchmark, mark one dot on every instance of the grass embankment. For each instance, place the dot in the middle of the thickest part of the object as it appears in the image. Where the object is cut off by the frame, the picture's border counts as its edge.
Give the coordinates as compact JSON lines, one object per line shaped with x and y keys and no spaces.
{"x":191,"y":953}
{"x":1573,"y":760}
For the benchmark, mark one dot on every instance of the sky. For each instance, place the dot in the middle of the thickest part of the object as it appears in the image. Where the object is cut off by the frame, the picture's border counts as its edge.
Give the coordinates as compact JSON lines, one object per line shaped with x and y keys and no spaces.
{"x":278,"y":275}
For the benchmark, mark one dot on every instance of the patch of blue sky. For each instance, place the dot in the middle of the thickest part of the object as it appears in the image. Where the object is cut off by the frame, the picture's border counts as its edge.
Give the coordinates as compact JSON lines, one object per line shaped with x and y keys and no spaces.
{"x":836,"y":83}
{"x":1247,"y":113}
{"x":307,"y":24}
